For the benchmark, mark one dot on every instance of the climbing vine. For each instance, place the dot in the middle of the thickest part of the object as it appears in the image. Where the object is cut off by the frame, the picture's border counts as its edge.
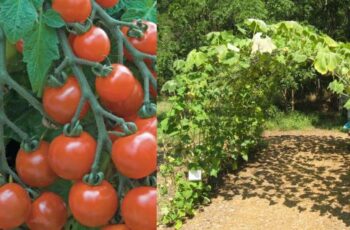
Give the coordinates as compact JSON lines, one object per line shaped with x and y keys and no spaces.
{"x":220,"y":96}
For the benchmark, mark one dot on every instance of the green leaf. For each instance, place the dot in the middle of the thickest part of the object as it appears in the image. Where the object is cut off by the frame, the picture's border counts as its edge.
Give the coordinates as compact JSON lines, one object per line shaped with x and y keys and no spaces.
{"x":61,"y":187}
{"x":326,"y":61}
{"x":41,"y":49}
{"x":141,"y":9}
{"x":53,"y":19}
{"x":347,"y":105}
{"x":20,"y":112}
{"x":256,"y":25}
{"x":17,"y":17}
{"x":329,"y":41}
{"x":187,"y":194}
{"x":214,"y":172}
{"x":336,"y":87}
{"x":299,"y":58}
{"x":38,"y":3}
{"x":178,"y":224}
{"x":169,"y":86}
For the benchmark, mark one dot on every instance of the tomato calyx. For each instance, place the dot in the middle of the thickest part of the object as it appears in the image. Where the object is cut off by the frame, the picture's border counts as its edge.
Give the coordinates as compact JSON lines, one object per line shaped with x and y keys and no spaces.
{"x":79,"y":28}
{"x":30,"y":145}
{"x":137,"y":32}
{"x":102,"y":70}
{"x":128,"y":128}
{"x":93,"y":178}
{"x":73,"y":130}
{"x":148,"y":110}
{"x":57,"y":81}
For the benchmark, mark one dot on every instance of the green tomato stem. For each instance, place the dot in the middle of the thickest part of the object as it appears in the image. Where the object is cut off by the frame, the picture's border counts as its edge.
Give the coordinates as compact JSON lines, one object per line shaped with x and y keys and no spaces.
{"x":103,"y":139}
{"x":23,"y":135}
{"x":79,"y":109}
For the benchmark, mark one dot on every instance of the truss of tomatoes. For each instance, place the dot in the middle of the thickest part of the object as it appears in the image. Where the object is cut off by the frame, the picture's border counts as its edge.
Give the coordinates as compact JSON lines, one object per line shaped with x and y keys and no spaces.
{"x":71,"y":157}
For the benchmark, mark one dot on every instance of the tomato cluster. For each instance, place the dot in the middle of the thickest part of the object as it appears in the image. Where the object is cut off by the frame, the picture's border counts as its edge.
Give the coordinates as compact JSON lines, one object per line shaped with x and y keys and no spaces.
{"x":70,"y":156}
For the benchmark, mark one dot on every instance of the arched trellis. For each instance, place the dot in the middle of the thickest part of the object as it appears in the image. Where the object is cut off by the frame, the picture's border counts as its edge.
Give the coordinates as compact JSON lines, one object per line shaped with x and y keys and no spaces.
{"x":218,"y":97}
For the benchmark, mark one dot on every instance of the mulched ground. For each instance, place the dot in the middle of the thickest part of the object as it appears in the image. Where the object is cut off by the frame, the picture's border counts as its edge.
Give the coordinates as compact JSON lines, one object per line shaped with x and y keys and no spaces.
{"x":300,"y":181}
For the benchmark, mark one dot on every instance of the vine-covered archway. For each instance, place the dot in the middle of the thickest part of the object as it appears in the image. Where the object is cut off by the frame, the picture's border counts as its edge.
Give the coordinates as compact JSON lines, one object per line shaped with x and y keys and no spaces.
{"x":221,"y":92}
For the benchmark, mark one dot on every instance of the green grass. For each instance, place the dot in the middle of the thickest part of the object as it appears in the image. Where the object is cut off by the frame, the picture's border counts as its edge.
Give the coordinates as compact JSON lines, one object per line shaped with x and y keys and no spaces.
{"x":302,"y":121}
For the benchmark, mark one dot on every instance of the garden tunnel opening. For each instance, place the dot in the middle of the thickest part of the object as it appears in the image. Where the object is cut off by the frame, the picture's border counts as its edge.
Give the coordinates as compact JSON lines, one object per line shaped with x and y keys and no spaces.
{"x":313,"y":101}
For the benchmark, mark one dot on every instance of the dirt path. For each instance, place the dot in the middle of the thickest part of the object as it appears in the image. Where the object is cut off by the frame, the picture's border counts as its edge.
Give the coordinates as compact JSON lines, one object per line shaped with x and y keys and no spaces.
{"x":301,"y":181}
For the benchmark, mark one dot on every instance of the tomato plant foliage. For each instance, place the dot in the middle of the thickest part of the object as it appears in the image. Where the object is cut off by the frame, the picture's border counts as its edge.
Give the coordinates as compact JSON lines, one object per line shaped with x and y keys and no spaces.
{"x":33,"y":82}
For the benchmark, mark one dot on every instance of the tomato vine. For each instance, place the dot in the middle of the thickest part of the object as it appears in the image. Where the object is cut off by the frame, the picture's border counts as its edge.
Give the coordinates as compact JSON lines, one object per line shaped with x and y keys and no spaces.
{"x":42,"y":22}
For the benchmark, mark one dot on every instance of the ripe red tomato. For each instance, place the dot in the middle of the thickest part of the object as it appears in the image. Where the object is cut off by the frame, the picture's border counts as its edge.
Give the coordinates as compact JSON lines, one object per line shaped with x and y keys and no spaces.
{"x":15,"y":206}
{"x":73,"y":10}
{"x":72,"y":157}
{"x":146,"y":44}
{"x":93,"y":206}
{"x":135,"y":156}
{"x":139,"y":208}
{"x":48,"y":212}
{"x":116,"y":227}
{"x":107,"y":3}
{"x":33,"y":168}
{"x":19,"y":46}
{"x":149,"y":125}
{"x":62,"y":102}
{"x":94,"y":45}
{"x":117,"y":86}
{"x":128,"y":107}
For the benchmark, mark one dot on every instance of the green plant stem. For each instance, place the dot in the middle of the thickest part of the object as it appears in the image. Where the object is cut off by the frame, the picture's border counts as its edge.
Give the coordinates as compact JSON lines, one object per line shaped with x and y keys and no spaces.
{"x":4,"y":167}
{"x":23,"y":135}
{"x":138,"y":58}
{"x":61,"y":67}
{"x":109,"y":20}
{"x":3,"y":160}
{"x":80,"y":61}
{"x":7,"y":80}
{"x":88,"y":95}
{"x":120,"y":49}
{"x":79,"y":109}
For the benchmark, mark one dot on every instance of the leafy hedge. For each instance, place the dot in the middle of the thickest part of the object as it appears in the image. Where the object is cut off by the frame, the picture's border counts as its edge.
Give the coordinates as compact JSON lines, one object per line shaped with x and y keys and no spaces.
{"x":219,"y":97}
{"x":199,"y":17}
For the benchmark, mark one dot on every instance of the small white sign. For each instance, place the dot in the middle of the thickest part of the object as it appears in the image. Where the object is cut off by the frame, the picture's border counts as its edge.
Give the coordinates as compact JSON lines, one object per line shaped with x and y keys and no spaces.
{"x":195,"y":175}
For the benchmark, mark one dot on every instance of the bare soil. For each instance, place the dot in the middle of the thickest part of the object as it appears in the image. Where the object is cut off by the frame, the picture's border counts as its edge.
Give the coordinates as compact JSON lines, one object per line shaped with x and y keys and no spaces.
{"x":300,"y":181}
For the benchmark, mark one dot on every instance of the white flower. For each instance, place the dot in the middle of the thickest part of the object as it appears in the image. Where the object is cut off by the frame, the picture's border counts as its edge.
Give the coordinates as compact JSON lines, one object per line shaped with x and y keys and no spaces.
{"x":262,"y":45}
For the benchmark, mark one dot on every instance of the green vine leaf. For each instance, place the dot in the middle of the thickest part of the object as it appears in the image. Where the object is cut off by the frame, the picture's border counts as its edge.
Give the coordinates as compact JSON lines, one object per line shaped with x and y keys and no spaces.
{"x":326,"y":61}
{"x":17,"y":17}
{"x":41,"y":49}
{"x":347,"y":105}
{"x":257,"y":25}
{"x":38,"y":3}
{"x":53,"y":19}
{"x":299,"y":57}
{"x":140,"y":9}
{"x":336,"y":87}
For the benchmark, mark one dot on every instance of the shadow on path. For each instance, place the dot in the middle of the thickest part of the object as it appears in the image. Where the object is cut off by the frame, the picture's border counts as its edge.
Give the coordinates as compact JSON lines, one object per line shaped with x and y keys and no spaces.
{"x":311,"y":173}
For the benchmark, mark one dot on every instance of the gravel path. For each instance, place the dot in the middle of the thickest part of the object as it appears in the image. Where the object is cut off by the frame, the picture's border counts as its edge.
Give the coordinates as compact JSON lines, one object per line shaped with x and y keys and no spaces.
{"x":300,"y":181}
